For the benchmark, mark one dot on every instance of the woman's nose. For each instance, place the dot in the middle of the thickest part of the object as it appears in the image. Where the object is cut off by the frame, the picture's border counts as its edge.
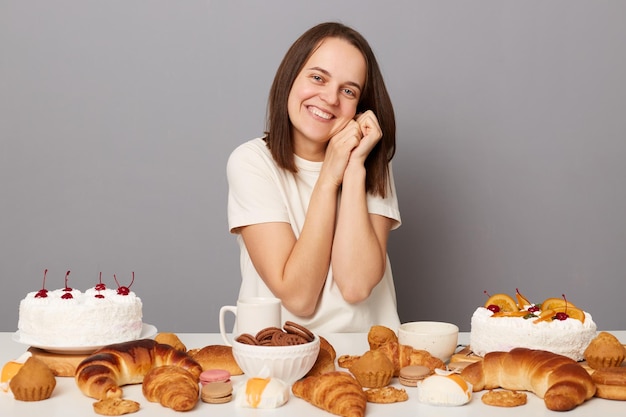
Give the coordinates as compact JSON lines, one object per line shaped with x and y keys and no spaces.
{"x":330,"y":95}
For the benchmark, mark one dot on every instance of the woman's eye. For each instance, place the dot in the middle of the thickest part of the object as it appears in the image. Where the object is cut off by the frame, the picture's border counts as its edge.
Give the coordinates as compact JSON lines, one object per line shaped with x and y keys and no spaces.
{"x":348,"y":91}
{"x":317,"y":78}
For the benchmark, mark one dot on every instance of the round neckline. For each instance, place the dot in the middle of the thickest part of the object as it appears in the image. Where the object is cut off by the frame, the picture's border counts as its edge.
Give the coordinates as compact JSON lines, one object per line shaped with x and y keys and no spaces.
{"x":306,"y":165}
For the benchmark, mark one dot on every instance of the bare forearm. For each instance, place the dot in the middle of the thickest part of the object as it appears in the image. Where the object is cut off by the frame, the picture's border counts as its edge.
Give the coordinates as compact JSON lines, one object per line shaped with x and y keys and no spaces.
{"x":358,"y":253}
{"x":307,"y":267}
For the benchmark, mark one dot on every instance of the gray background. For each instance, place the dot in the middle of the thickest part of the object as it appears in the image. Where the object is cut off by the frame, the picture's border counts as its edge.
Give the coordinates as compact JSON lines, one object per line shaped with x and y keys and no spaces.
{"x":117,"y":117}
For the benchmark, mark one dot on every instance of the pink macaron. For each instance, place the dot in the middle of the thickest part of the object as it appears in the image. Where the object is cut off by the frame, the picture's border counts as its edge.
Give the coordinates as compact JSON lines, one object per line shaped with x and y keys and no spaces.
{"x":214,"y":375}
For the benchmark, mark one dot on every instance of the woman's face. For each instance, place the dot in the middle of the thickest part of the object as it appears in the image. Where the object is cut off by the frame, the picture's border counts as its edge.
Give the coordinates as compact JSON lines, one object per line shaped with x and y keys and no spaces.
{"x":325,"y":95}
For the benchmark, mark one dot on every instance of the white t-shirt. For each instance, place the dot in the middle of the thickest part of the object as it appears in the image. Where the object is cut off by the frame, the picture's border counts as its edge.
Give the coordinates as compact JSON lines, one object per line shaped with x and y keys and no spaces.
{"x":261,"y":192}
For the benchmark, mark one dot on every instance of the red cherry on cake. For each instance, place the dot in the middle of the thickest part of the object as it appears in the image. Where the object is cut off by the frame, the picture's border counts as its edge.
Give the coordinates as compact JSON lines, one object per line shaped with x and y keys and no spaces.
{"x":561,"y":316}
{"x":68,"y":290}
{"x":100,"y":285}
{"x":43,"y":292}
{"x":121,"y":290}
{"x":494,"y":308}
{"x":533,"y":309}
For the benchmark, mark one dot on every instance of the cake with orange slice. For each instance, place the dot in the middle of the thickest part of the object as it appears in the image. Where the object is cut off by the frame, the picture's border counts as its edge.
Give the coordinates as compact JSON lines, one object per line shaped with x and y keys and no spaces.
{"x":556,"y":325}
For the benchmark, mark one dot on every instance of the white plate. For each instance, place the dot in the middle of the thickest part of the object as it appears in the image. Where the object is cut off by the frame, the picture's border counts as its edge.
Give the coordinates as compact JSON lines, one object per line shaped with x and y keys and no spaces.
{"x":147,"y":331}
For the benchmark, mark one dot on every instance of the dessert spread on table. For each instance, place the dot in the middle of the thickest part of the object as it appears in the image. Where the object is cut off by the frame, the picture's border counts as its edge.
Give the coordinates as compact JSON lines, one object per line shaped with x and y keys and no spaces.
{"x":182,"y":379}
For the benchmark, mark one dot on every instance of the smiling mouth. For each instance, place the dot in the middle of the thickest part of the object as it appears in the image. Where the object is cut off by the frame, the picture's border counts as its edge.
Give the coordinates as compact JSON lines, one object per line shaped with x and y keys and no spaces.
{"x":319,"y":113}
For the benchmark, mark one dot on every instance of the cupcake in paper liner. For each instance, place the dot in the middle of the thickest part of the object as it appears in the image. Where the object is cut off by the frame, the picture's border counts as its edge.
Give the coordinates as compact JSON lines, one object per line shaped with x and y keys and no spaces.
{"x":444,"y":388}
{"x":262,"y":391}
{"x":33,"y":382}
{"x":604,"y":351}
{"x":373,"y":369}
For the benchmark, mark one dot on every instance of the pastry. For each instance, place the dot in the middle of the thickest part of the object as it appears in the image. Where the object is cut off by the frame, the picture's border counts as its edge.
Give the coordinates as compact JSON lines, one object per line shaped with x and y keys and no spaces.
{"x":403,"y":355}
{"x":217,"y":357}
{"x":172,"y":386}
{"x":171,"y":339}
{"x":33,"y":382}
{"x":379,"y":335}
{"x":445,"y":389}
{"x":346,"y":361}
{"x":410,"y":375}
{"x":504,"y":398}
{"x":386,"y":395}
{"x":373,"y":369}
{"x":604,"y":350}
{"x":217,"y":392}
{"x":115,"y":407}
{"x":262,"y":393}
{"x":336,"y":392}
{"x":324,"y":363}
{"x":102,"y":374}
{"x":325,"y":345}
{"x":610,"y":382}
{"x":560,"y":381}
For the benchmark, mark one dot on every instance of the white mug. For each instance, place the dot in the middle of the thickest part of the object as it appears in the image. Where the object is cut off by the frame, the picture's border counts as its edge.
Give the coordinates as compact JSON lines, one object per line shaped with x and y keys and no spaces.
{"x":251,"y":315}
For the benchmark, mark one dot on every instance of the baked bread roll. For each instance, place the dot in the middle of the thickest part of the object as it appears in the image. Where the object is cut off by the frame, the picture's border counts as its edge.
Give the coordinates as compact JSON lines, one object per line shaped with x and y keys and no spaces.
{"x":336,"y":392}
{"x":560,"y":381}
{"x":216,"y":357}
{"x":171,"y":386}
{"x":102,"y":374}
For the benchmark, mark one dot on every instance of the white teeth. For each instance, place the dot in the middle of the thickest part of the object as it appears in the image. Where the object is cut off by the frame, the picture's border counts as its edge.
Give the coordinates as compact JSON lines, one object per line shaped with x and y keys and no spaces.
{"x":320,"y":113}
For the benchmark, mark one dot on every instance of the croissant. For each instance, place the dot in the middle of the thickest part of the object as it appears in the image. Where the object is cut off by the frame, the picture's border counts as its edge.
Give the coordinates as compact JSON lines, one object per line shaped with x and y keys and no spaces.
{"x":404,"y":355}
{"x":102,"y":374}
{"x":336,"y":392}
{"x":560,"y":381}
{"x":172,"y":386}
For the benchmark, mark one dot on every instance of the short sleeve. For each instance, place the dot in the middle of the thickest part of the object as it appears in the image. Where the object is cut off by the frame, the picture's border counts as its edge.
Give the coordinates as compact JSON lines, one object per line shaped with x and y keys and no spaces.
{"x":254,"y":193}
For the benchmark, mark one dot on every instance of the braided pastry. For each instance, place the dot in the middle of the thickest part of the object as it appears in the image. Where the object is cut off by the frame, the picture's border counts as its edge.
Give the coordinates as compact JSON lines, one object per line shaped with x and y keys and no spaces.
{"x":560,"y":381}
{"x":102,"y":374}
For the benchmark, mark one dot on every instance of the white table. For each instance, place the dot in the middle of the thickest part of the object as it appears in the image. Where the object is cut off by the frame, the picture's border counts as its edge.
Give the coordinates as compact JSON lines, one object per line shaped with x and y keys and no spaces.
{"x":68,"y":401}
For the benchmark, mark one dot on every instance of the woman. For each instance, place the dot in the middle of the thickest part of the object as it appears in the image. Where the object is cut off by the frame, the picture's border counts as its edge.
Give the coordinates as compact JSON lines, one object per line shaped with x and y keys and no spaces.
{"x":313,"y":201}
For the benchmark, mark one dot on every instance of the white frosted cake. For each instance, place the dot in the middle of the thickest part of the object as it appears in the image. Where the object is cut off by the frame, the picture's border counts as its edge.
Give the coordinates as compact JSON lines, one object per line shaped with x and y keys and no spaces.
{"x":565,"y":336}
{"x":63,"y":318}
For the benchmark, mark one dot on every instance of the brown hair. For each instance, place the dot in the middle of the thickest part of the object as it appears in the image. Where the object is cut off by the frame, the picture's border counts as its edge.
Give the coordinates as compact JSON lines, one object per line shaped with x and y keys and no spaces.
{"x":373,"y":97}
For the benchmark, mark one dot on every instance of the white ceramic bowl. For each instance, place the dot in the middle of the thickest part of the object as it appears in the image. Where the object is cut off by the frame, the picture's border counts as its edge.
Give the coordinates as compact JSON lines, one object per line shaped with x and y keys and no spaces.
{"x":438,"y":338}
{"x":288,"y":363}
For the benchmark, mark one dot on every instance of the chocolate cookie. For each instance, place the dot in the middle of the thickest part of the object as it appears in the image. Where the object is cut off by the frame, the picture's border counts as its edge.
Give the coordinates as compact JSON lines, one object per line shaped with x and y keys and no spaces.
{"x":295,"y":328}
{"x":266,"y":334}
{"x":247,"y":339}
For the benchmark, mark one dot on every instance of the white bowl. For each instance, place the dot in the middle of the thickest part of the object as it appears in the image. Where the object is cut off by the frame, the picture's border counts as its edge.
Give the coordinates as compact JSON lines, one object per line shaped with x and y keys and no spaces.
{"x":288,"y":363}
{"x":437,"y":338}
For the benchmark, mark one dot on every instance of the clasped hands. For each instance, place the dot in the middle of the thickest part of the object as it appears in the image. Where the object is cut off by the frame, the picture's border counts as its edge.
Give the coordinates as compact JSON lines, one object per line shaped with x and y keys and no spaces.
{"x":352,"y":145}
